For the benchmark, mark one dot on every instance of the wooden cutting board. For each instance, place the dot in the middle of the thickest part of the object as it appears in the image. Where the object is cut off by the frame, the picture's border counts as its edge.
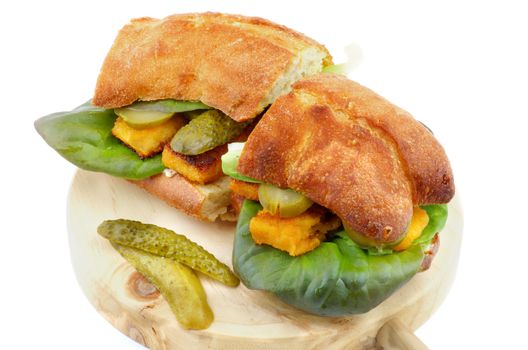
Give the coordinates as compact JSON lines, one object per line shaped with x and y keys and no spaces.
{"x":244,"y":319}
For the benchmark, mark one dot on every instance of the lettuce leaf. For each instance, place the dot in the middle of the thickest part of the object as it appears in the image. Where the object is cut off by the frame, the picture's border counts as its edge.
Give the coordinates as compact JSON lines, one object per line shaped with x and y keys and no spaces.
{"x":168,"y":106}
{"x":84,"y":137}
{"x":230,"y":162}
{"x":437,"y":219}
{"x":340,"y":69}
{"x":337,"y":278}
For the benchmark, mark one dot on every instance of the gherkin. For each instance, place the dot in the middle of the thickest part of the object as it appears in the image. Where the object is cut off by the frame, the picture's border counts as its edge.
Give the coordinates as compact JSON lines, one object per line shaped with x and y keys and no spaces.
{"x":166,"y":243}
{"x":206,"y":131}
{"x":178,"y":284}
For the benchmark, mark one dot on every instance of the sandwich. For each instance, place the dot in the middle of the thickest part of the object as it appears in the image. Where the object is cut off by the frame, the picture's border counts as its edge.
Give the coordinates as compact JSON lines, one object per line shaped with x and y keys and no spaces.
{"x":172,"y":93}
{"x":342,"y":196}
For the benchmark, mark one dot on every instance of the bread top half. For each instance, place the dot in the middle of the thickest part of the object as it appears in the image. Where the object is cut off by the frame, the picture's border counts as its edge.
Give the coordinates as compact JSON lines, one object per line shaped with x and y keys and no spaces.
{"x":233,"y":63}
{"x":352,"y":151}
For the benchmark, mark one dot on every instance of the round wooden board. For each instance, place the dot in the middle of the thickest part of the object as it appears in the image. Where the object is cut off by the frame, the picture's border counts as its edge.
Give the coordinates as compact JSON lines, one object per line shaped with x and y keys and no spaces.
{"x":244,"y":319}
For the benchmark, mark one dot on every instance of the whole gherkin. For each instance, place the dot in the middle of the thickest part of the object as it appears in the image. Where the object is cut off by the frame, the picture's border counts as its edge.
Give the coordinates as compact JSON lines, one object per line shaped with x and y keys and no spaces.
{"x":208,"y":130}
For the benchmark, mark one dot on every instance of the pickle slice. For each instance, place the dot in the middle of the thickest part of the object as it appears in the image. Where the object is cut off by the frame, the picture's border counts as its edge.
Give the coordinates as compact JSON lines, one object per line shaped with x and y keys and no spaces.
{"x":166,"y":243}
{"x":145,"y":114}
{"x":178,"y":284}
{"x":283,"y":202}
{"x":142,"y":118}
{"x":210,"y":129}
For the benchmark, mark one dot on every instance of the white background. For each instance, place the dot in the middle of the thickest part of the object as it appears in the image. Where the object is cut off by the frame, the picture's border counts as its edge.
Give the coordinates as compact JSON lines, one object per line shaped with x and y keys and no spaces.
{"x":460,"y":67}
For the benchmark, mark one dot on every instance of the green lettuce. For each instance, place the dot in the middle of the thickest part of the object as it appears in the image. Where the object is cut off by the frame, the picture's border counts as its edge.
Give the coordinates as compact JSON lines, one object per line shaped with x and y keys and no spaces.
{"x":340,"y":69}
{"x":84,"y":137}
{"x":437,"y":219}
{"x":230,"y":162}
{"x":337,"y":278}
{"x":168,"y":106}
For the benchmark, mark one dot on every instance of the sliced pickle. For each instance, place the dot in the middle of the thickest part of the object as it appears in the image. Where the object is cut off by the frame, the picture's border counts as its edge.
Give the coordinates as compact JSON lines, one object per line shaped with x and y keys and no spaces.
{"x":142,"y":118}
{"x":166,"y":243}
{"x":210,"y":129}
{"x":283,"y":202}
{"x":178,"y":284}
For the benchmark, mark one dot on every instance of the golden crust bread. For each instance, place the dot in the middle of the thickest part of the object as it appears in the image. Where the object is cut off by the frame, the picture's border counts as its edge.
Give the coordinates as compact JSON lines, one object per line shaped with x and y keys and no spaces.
{"x":206,"y":202}
{"x":229,"y":62}
{"x":352,"y":151}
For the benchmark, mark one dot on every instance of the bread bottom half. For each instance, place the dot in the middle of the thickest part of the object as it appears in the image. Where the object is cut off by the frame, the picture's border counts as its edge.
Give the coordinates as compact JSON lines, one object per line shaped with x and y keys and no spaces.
{"x":209,"y":202}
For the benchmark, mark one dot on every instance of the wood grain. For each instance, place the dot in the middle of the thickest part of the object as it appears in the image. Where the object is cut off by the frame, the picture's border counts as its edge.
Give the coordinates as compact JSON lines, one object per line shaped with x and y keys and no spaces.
{"x":244,"y":319}
{"x":394,"y":335}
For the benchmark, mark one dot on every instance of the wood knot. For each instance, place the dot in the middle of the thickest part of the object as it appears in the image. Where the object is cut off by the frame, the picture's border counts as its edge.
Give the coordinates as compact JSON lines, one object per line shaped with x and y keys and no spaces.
{"x":140,"y":287}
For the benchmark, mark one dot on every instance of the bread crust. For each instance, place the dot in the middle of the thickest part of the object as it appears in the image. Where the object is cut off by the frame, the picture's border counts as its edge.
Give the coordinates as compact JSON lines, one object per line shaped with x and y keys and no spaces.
{"x":228,"y":62}
{"x":205,"y":202}
{"x":352,"y":151}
